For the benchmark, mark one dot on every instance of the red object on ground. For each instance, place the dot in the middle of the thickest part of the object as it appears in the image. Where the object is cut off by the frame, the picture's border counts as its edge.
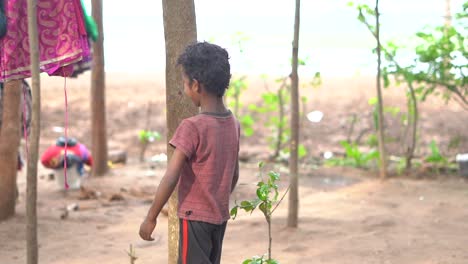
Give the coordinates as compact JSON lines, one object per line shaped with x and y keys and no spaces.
{"x":53,"y":157}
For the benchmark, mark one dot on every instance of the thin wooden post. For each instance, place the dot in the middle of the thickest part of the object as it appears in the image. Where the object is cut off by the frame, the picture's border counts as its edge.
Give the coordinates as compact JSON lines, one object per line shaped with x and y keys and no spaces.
{"x":31,"y":189}
{"x":293,"y":159}
{"x":98,"y":98}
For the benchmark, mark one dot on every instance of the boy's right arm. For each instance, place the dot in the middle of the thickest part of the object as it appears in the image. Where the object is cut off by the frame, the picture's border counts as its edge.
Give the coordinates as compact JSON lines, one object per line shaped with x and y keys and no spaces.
{"x":165,"y":189}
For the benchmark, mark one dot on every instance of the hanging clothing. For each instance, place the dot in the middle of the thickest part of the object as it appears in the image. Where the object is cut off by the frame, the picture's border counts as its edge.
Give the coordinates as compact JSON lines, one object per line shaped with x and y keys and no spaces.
{"x":3,"y":19}
{"x":63,"y":40}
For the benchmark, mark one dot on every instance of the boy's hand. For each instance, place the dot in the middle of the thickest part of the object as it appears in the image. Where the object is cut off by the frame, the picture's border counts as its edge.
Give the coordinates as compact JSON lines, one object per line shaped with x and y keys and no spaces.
{"x":146,"y":229}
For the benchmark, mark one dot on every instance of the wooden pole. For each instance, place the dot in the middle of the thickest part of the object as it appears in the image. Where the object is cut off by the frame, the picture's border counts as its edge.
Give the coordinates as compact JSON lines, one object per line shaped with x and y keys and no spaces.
{"x":98,"y":98}
{"x":179,"y":30}
{"x":31,"y":189}
{"x":293,"y":159}
{"x":9,"y":141}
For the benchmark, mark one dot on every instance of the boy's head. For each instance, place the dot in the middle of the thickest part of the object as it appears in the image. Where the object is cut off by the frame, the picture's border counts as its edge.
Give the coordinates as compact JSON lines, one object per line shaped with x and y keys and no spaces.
{"x":208,"y":64}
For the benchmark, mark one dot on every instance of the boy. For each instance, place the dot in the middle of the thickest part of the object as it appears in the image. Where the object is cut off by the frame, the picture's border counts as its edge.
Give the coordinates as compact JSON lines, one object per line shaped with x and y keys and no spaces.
{"x":205,"y":161}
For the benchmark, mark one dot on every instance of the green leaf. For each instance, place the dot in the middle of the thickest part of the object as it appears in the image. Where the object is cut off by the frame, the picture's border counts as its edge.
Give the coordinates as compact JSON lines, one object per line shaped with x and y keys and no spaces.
{"x":261,"y":164}
{"x":317,"y":80}
{"x":233,"y":212}
{"x":148,"y":136}
{"x":301,"y":151}
{"x":270,"y":98}
{"x":372,"y":101}
{"x":248,"y":131}
{"x":263,"y":191}
{"x":274,"y":176}
{"x":247,"y":120}
{"x":301,"y":62}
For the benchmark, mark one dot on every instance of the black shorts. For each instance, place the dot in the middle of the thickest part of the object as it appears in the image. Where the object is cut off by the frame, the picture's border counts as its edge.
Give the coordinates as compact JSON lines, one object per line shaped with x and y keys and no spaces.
{"x":200,"y":242}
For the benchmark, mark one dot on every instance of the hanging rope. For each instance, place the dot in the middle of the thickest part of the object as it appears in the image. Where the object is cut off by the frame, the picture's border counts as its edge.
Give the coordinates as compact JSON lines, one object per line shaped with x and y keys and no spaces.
{"x":66,"y":131}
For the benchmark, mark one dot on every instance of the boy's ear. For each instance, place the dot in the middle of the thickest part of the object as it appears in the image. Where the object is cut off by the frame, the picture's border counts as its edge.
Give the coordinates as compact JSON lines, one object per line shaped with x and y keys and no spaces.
{"x":196,"y":86}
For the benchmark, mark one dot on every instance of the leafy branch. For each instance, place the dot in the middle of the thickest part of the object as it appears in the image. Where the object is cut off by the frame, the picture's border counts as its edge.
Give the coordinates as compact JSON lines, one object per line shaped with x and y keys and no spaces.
{"x":267,"y":196}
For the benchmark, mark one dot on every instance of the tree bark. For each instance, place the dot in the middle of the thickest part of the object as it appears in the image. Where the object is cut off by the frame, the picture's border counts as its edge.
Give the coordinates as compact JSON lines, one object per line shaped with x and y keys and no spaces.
{"x":380,"y":128}
{"x":31,"y":188}
{"x":179,"y":31}
{"x":98,"y":98}
{"x":413,"y":117}
{"x":10,"y":132}
{"x":293,"y":163}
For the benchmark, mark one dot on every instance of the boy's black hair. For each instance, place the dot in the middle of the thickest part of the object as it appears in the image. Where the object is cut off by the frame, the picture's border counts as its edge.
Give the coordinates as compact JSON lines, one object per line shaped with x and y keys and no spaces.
{"x":209,"y":65}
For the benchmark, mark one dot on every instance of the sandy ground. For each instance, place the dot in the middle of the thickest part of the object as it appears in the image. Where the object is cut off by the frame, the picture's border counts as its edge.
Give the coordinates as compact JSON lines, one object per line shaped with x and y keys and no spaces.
{"x":345,"y":216}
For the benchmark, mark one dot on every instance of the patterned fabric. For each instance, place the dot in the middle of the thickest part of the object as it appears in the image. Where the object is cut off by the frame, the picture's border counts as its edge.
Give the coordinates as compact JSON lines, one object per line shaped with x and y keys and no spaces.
{"x":63,"y":40}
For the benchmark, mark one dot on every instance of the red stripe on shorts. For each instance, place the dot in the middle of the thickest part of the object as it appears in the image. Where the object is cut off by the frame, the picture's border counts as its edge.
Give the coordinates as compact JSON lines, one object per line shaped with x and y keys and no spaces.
{"x":185,"y":242}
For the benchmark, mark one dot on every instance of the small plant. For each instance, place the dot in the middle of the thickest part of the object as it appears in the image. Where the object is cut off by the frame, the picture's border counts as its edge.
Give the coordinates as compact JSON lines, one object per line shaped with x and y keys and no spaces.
{"x":267,"y":197}
{"x":353,"y":156}
{"x":436,"y":158}
{"x":146,"y":137}
{"x":236,"y":87}
{"x":275,"y":105}
{"x":132,"y":254}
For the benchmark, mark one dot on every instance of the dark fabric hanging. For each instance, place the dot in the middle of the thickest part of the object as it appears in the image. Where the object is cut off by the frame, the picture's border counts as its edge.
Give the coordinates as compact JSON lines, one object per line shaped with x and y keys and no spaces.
{"x":3,"y":19}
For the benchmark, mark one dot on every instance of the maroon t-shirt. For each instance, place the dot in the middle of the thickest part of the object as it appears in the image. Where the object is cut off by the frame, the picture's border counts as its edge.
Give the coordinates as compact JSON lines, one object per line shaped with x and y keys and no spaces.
{"x":211,"y":144}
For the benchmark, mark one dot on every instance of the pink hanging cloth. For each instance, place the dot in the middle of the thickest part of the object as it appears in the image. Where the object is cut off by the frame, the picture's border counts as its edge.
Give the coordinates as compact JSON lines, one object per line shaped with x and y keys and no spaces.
{"x":63,"y":41}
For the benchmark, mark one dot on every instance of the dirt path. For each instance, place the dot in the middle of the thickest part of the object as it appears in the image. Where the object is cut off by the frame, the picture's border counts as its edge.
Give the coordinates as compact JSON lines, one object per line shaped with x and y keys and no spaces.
{"x":398,"y":221}
{"x":346,"y":216}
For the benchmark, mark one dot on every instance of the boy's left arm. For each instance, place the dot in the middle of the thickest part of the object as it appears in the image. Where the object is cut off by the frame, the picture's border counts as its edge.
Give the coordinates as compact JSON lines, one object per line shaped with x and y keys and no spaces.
{"x":165,"y":189}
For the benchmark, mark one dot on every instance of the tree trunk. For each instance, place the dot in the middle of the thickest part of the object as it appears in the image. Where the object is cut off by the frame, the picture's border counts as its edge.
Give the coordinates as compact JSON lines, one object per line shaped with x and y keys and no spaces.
{"x":9,"y":142}
{"x":413,"y":116}
{"x":380,"y":128}
{"x":98,"y":98}
{"x":31,"y":188}
{"x":179,"y":31}
{"x":293,"y":162}
{"x":448,"y":14}
{"x":279,"y":136}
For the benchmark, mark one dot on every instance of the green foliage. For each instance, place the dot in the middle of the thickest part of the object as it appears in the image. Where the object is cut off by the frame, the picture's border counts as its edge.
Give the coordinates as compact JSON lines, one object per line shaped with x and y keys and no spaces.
{"x":247,"y":122}
{"x":274,"y":105}
{"x":441,"y":60}
{"x":401,"y":164}
{"x":147,"y":136}
{"x":267,"y":197}
{"x":301,"y":151}
{"x":435,"y":157}
{"x":353,"y":156}
{"x":317,"y":80}
{"x":372,"y":140}
{"x":236,"y":87}
{"x":260,"y":260}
